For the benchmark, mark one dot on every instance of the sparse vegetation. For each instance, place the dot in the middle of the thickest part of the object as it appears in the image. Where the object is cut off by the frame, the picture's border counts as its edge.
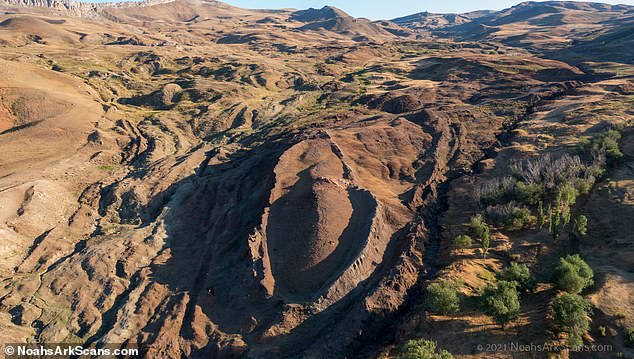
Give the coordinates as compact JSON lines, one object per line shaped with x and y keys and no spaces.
{"x":501,"y":302}
{"x":107,"y":167}
{"x":607,"y":141}
{"x":423,"y":349}
{"x":442,"y":297}
{"x":520,"y":274}
{"x":573,"y":274}
{"x":509,"y":215}
{"x":462,"y":242}
{"x":571,"y":314}
{"x":629,"y":337}
{"x":580,"y":226}
{"x":481,"y":231}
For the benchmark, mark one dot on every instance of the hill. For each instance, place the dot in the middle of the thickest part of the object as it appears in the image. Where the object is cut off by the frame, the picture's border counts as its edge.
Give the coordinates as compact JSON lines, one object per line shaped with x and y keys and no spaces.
{"x":206,"y":181}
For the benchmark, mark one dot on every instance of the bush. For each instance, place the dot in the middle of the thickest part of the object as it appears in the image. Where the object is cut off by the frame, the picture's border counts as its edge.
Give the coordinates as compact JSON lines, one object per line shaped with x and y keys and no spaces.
{"x":567,"y":194}
{"x":629,"y":337}
{"x":501,"y":302}
{"x":479,"y":229}
{"x":423,"y":349}
{"x":462,"y":242}
{"x":520,"y":274}
{"x":541,"y":219}
{"x":603,"y":331}
{"x":495,"y":190}
{"x":510,"y":216}
{"x":607,"y":141}
{"x":528,"y":193}
{"x":570,"y":312}
{"x":547,"y":170}
{"x":442,"y":297}
{"x":580,"y":227}
{"x":573,"y":274}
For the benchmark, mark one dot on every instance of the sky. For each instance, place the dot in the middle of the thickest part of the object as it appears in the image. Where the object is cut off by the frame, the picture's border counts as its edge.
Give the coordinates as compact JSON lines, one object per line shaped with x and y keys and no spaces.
{"x":389,"y":9}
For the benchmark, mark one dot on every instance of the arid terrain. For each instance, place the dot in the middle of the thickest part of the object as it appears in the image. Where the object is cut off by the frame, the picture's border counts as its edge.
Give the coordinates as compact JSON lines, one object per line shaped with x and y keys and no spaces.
{"x":207,"y":181}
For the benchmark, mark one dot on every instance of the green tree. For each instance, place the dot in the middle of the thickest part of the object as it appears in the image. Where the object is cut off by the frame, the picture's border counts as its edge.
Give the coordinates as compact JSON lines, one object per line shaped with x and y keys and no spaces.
{"x":520,"y":274}
{"x":571,"y":314}
{"x":462,"y":242}
{"x":502,"y":303}
{"x":629,"y":337}
{"x":540,"y":215}
{"x":478,"y":227}
{"x":565,"y":215}
{"x":580,"y":226}
{"x":481,"y":230}
{"x":423,"y":349}
{"x":486,"y":245}
{"x":567,"y":194}
{"x":608,"y":140}
{"x":442,"y":297}
{"x":550,"y":219}
{"x":555,"y":223}
{"x":528,"y":193}
{"x":573,"y":274}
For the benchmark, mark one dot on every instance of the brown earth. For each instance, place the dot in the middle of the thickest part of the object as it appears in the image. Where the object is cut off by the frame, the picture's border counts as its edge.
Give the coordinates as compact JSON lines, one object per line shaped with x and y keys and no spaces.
{"x":209,"y":181}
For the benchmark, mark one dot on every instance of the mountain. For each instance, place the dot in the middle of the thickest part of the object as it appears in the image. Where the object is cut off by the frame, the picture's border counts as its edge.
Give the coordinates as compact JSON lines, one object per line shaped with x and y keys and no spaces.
{"x":430,"y":21}
{"x":332,"y":19}
{"x":539,"y":25}
{"x":206,"y":181}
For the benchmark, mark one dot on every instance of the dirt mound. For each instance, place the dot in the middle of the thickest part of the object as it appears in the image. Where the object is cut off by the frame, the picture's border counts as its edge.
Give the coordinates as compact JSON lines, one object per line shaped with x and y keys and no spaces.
{"x":402,"y":104}
{"x":161,"y":99}
{"x":36,"y":29}
{"x":23,"y":107}
{"x":309,"y":213}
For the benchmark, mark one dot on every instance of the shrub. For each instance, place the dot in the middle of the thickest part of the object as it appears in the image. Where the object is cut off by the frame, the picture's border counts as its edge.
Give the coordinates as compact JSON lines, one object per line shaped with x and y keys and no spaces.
{"x":603,"y":331}
{"x":580,"y":227}
{"x":570,"y":312}
{"x":462,"y":242}
{"x":479,"y":229}
{"x":423,"y":349}
{"x":502,"y":302}
{"x":541,"y":219}
{"x":583,"y":185}
{"x":548,"y":171}
{"x":486,"y":245}
{"x":573,"y":274}
{"x":629,"y":337}
{"x":567,"y":194}
{"x":442,"y":297}
{"x":528,"y":193}
{"x":607,"y":141}
{"x":520,"y":274}
{"x":495,"y":190}
{"x":513,"y":218}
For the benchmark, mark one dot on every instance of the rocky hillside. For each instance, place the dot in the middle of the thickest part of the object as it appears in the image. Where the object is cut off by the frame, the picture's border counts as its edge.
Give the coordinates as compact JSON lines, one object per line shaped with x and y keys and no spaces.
{"x":209,"y":181}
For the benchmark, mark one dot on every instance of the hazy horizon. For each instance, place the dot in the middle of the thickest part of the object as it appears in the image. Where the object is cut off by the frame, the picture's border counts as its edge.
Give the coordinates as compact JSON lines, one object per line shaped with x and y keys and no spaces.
{"x":377,"y":10}
{"x":381,"y":10}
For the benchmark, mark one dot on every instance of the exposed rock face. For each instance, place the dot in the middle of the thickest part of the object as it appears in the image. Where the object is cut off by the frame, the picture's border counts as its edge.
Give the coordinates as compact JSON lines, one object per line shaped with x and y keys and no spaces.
{"x":82,"y":9}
